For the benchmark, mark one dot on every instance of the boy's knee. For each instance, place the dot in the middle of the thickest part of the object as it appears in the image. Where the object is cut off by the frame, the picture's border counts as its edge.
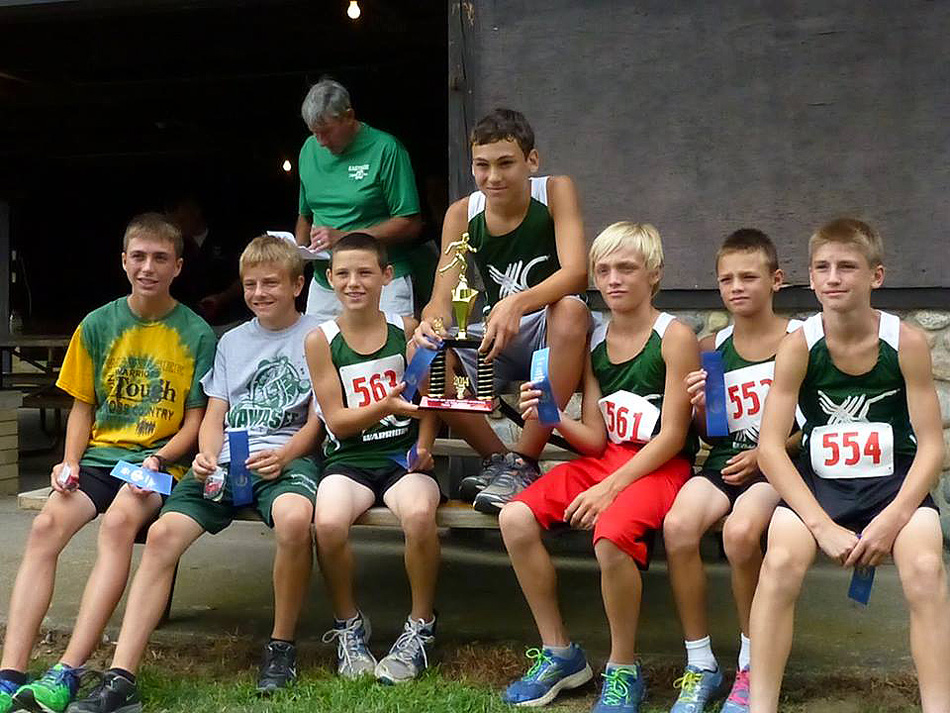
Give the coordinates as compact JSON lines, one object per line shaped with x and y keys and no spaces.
{"x":567,"y":321}
{"x":292,"y":524}
{"x":609,"y":555}
{"x":782,"y":569}
{"x":924,"y":578}
{"x":330,"y":531}
{"x":118,"y":527}
{"x":741,"y":539}
{"x":418,"y":522}
{"x":517,"y":524}
{"x":161,"y":543}
{"x":46,"y":533}
{"x":680,"y":533}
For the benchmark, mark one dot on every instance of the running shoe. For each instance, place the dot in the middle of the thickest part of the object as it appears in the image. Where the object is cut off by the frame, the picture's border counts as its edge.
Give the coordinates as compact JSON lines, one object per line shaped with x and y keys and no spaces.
{"x":548,"y":676}
{"x":407,"y":658}
{"x":278,"y":667}
{"x":623,"y":691}
{"x":697,"y":688}
{"x":518,"y":473}
{"x":353,"y":657}
{"x":738,"y":700}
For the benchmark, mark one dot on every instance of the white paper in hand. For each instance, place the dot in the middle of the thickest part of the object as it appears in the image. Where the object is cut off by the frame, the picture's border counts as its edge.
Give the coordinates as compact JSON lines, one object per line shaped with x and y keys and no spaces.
{"x":304,"y":251}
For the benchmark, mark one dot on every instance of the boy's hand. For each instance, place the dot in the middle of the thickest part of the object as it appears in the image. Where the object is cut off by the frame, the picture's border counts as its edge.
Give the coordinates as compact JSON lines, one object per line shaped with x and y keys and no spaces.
{"x":426,"y":336}
{"x":835,"y":541}
{"x":398,"y":406}
{"x":323,"y":237}
{"x":203,"y":465}
{"x":502,"y":325}
{"x":584,"y":510}
{"x":54,"y":476}
{"x":741,"y":467}
{"x":528,"y":401}
{"x":696,"y":387}
{"x":424,"y":461}
{"x":877,"y":540}
{"x":267,"y":464}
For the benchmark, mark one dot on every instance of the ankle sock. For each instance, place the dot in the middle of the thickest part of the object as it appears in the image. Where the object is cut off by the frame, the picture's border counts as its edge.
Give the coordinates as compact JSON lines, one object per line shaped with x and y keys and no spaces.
{"x":699,"y":654}
{"x":127,"y":675}
{"x":340,"y":623}
{"x":611,"y":666}
{"x":745,"y":651}
{"x":13,"y":676}
{"x":289,"y":642}
{"x":560,"y":651}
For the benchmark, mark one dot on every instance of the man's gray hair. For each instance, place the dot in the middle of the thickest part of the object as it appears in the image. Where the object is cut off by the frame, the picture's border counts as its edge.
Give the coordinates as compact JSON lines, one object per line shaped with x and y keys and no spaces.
{"x":327,"y":99}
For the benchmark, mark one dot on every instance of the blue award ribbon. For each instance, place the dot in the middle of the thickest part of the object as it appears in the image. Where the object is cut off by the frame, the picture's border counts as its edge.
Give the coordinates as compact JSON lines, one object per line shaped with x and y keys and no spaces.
{"x":716,"y":422}
{"x":548,"y":414}
{"x":416,"y":371}
{"x":143,"y":478}
{"x":241,"y":491}
{"x":861,"y":583}
{"x":408,"y":459}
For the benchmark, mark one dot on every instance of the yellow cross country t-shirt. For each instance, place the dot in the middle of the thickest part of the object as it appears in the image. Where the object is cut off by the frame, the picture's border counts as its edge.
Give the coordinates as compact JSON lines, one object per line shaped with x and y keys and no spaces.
{"x":139,"y":375}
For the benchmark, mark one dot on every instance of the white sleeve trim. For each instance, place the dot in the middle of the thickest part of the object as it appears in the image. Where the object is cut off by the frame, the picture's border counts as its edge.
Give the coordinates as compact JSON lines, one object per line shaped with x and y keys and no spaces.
{"x":539,"y":189}
{"x":793,"y":325}
{"x":330,"y":329}
{"x":723,"y":334}
{"x":814,"y":330}
{"x":600,"y":333}
{"x":396,"y":320}
{"x":890,"y":329}
{"x":662,"y":322}
{"x":476,"y":204}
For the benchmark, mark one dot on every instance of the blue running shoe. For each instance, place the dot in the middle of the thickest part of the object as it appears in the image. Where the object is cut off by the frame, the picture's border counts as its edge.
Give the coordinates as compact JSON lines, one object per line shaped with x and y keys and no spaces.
{"x":697,"y":688}
{"x":623,"y":692}
{"x":548,"y":676}
{"x":7,"y":689}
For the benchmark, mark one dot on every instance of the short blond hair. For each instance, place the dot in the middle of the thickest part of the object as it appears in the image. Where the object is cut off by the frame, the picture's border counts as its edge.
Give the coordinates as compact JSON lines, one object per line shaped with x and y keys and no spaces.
{"x":853,"y":232}
{"x":642,"y":237}
{"x":269,"y":249}
{"x":155,"y":226}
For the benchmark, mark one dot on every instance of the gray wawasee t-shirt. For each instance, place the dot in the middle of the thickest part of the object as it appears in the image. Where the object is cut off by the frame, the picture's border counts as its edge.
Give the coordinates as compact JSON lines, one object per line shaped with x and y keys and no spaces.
{"x":263,"y":376}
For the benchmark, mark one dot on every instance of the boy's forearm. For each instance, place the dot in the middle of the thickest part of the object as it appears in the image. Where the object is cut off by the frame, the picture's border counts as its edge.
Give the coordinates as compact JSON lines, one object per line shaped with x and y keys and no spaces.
{"x":561,"y":284}
{"x":302,"y":230}
{"x":428,"y":430}
{"x":588,"y":440}
{"x":303,"y":442}
{"x":648,"y":459}
{"x":920,"y":479}
{"x":183,"y":442}
{"x":210,"y":438}
{"x":346,"y":422}
{"x":785,"y":478}
{"x":78,"y":431}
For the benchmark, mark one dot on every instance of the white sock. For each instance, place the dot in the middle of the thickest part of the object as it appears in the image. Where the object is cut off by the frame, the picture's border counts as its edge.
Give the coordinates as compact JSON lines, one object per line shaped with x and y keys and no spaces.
{"x":745,"y":651}
{"x":699,"y":654}
{"x":559,"y":651}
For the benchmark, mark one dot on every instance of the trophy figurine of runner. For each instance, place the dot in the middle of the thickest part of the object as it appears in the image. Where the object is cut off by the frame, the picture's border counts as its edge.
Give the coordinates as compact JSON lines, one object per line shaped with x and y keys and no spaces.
{"x":463,"y":298}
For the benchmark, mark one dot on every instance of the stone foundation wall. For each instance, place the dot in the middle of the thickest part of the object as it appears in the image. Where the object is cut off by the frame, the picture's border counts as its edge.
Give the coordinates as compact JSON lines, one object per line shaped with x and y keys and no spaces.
{"x":936,"y":325}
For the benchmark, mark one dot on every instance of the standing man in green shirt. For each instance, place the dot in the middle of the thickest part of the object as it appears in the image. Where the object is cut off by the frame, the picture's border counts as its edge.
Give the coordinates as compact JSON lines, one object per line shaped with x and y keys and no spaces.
{"x":354,"y":178}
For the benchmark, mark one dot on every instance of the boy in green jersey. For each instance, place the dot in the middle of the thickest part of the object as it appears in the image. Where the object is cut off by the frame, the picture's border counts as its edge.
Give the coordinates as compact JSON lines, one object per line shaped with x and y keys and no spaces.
{"x":634,"y":435}
{"x":357,"y":362}
{"x":133,"y":368}
{"x":259,"y":384}
{"x":528,"y":244}
{"x":730,"y":483}
{"x":872,"y":448}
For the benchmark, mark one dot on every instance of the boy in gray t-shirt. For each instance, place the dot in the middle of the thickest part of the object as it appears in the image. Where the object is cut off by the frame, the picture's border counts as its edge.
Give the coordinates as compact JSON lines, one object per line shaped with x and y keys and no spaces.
{"x":260,"y":383}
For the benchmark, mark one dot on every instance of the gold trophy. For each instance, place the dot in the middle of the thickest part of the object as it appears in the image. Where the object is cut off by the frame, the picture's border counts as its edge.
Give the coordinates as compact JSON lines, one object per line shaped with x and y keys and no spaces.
{"x":463,"y":298}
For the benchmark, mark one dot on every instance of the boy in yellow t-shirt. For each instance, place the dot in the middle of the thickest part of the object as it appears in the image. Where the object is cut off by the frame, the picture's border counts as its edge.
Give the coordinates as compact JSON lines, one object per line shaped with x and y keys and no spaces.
{"x":133,"y":368}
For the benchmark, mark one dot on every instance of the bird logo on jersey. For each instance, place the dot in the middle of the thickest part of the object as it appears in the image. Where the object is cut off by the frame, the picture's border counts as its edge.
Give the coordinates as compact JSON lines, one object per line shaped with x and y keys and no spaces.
{"x":853,"y":408}
{"x":515,"y":277}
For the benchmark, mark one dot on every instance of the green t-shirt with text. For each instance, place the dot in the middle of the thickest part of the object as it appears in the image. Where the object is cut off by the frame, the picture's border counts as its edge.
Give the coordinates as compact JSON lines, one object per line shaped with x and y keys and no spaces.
{"x":370,"y":182}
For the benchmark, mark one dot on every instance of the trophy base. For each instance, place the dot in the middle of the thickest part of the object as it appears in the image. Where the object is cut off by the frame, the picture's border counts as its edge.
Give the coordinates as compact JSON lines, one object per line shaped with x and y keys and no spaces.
{"x":457,"y":405}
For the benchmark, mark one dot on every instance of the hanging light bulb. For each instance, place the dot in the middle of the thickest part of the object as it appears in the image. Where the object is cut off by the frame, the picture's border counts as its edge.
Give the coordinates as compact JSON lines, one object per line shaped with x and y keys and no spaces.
{"x":287,"y":165}
{"x":353,"y":10}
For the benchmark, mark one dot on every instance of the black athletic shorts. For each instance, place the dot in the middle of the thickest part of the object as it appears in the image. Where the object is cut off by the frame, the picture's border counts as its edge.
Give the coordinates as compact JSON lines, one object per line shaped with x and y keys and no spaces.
{"x":379,"y":480}
{"x":730,"y":491}
{"x":101,"y":486}
{"x":854,"y":502}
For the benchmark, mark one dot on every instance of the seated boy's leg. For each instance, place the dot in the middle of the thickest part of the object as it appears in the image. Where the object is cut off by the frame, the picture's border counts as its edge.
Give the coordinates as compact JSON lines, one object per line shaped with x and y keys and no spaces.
{"x":698,"y":505}
{"x":791,"y":550}
{"x":567,"y":322}
{"x":414,"y":499}
{"x":129,"y":513}
{"x":621,"y":543}
{"x":340,"y":501}
{"x":167,"y":540}
{"x":918,"y":554}
{"x":286,"y":504}
{"x":742,"y":541}
{"x":62,"y":516}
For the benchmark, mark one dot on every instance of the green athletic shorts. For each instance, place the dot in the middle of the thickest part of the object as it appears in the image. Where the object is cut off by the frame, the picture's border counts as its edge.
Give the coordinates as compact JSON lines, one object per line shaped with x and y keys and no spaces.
{"x":300,"y":477}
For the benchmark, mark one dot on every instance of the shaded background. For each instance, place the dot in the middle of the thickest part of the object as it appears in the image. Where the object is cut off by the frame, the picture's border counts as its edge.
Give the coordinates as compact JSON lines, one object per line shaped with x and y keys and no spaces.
{"x":110,"y":108}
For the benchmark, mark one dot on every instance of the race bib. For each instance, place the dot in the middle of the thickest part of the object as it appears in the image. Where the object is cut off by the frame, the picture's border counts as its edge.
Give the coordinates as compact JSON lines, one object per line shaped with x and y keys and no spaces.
{"x":852,"y":450}
{"x":629,"y":417}
{"x":370,"y":381}
{"x":746,"y":390}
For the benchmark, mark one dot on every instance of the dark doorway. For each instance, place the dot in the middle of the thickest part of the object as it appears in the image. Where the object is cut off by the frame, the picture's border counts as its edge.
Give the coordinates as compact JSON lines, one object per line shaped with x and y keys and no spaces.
{"x":109,"y":108}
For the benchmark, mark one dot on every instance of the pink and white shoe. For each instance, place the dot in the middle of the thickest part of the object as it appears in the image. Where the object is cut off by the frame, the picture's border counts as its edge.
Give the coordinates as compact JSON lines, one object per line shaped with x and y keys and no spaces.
{"x":738,"y":700}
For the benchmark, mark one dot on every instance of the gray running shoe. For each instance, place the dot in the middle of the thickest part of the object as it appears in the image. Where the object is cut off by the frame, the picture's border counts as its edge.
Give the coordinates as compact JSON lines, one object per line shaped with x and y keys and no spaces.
{"x":518,"y":474}
{"x":407,"y":658}
{"x":472,"y":485}
{"x":353,"y":657}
